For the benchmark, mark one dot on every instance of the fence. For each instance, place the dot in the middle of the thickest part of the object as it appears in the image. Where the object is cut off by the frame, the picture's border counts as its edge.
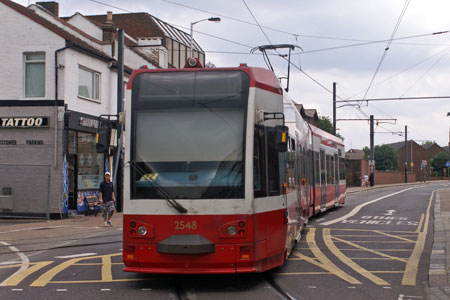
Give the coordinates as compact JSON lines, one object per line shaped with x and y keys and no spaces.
{"x":25,"y":189}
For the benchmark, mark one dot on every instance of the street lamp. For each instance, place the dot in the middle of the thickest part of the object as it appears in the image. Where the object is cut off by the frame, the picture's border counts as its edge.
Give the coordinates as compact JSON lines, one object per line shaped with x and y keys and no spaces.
{"x":212,"y":19}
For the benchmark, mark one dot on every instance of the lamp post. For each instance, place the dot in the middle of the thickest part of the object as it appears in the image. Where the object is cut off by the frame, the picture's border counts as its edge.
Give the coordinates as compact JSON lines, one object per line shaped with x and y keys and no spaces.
{"x":212,"y":19}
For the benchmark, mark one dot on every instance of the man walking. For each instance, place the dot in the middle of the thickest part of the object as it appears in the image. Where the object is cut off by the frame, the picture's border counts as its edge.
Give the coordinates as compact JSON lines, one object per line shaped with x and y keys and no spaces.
{"x":107,"y":198}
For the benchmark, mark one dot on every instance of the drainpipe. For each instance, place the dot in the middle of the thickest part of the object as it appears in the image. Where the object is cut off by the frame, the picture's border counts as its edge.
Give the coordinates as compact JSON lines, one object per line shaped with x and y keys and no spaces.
{"x":55,"y":163}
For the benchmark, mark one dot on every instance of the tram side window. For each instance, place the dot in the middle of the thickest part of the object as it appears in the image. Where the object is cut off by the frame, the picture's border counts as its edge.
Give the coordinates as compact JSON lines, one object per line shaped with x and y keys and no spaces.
{"x":316,"y":168}
{"x":330,"y":169}
{"x":259,"y":165}
{"x":273,"y":164}
{"x":323,"y":168}
{"x":342,"y":169}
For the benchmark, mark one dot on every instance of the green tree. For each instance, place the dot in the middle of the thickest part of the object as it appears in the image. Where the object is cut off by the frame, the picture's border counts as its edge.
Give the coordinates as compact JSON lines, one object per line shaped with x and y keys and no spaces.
{"x":366,"y":153}
{"x":326,"y":125}
{"x":438,"y":162}
{"x":428,"y":143}
{"x":386,"y":158}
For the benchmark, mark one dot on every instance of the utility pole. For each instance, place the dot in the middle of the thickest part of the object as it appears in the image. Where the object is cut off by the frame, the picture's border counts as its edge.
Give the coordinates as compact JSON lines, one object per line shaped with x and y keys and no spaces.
{"x":372,"y":153}
{"x":120,"y":68}
{"x":406,"y":154}
{"x":334,"y":108}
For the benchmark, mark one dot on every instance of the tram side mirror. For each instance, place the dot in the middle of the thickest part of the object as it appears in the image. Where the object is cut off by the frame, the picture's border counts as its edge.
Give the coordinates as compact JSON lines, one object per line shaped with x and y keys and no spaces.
{"x":103,"y":138}
{"x":281,"y":138}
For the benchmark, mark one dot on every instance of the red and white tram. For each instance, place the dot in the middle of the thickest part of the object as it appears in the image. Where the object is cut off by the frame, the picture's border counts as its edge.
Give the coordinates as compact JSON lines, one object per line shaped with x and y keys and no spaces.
{"x":213,"y":183}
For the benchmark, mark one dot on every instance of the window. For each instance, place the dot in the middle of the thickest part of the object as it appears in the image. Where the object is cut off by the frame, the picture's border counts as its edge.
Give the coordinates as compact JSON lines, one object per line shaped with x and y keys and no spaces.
{"x":259,"y":164}
{"x":273,"y":163}
{"x":88,"y":84}
{"x":34,"y":74}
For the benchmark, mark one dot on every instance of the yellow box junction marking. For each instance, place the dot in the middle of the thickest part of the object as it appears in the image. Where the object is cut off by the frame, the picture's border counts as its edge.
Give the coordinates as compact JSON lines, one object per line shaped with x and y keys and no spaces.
{"x":329,"y":243}
{"x":15,"y":280}
{"x":321,"y":260}
{"x":47,"y":277}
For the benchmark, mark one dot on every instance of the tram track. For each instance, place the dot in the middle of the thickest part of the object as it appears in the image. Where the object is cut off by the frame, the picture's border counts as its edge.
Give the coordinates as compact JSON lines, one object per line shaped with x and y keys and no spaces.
{"x":279,"y":289}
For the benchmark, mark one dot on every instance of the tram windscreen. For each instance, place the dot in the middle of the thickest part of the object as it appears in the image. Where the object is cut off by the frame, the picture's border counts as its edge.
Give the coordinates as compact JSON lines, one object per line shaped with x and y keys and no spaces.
{"x":188,"y":134}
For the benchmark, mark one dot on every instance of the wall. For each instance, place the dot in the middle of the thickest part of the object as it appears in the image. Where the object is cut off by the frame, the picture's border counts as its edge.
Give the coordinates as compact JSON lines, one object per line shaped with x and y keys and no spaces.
{"x":386,"y":177}
{"x":21,"y":35}
{"x":26,"y":168}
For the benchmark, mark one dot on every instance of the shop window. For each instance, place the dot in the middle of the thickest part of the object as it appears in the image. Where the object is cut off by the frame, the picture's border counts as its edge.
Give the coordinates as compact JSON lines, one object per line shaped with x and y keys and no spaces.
{"x":90,"y":163}
{"x":88,"y":84}
{"x":34,"y":74}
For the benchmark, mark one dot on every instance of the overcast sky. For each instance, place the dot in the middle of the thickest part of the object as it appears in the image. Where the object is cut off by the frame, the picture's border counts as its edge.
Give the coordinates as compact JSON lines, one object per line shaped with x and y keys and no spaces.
{"x":417,"y":63}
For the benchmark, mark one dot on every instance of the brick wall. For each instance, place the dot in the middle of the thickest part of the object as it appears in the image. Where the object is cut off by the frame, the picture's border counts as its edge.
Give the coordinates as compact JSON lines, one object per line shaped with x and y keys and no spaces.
{"x":385,"y":177}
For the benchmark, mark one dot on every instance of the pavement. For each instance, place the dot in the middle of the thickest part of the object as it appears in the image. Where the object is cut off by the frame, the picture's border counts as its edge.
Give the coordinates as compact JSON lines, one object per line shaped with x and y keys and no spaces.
{"x":439,"y":272}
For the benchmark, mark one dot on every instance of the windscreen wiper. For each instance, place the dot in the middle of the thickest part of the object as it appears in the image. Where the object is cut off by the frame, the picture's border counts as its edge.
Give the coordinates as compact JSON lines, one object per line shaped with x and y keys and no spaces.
{"x":162,"y":191}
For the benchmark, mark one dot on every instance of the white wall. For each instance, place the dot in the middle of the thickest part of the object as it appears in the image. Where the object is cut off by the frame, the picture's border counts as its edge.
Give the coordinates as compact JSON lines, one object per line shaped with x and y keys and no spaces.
{"x":19,"y":35}
{"x":85,"y":25}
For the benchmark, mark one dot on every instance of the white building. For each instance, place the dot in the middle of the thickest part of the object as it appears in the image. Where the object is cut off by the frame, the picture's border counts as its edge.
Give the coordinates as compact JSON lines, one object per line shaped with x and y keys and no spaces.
{"x":58,"y":76}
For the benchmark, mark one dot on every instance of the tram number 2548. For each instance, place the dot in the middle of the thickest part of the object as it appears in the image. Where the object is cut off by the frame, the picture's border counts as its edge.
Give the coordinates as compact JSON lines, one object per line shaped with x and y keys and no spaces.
{"x":181,"y":225}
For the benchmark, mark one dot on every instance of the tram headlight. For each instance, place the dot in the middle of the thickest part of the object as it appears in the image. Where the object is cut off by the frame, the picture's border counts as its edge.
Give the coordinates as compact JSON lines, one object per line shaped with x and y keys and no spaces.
{"x":231,"y":230}
{"x":142,"y":230}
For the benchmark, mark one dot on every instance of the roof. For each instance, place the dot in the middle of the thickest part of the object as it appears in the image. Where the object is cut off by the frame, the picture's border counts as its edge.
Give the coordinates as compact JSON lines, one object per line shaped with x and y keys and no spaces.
{"x":397,"y":145}
{"x":428,"y":146}
{"x":354,"y":154}
{"x":311,"y":113}
{"x":144,"y":25}
{"x":446,"y":148}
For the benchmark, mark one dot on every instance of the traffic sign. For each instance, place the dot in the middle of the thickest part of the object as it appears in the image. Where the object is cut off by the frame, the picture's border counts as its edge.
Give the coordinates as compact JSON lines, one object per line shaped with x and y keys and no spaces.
{"x":447,"y":164}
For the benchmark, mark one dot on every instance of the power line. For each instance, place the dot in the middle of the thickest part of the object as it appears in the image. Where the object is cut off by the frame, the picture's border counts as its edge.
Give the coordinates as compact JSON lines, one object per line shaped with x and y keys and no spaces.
{"x":387,"y":46}
{"x":426,"y":72}
{"x":254,"y":18}
{"x":398,"y":98}
{"x":109,"y":5}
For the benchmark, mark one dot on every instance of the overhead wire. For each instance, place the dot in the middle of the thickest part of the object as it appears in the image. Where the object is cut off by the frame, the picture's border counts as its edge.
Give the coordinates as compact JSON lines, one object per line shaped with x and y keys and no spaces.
{"x":425,"y":73}
{"x":295,"y":36}
{"x":387,"y":46}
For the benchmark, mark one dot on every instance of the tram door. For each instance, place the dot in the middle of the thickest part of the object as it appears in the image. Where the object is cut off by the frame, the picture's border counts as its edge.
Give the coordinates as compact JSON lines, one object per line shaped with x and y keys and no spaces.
{"x":323,"y":179}
{"x":336,"y":176}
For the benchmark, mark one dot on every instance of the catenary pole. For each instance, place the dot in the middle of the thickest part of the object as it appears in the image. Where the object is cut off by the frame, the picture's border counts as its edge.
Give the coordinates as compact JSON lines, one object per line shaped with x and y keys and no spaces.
{"x":406,"y":154}
{"x":372,"y":152}
{"x":334,"y":108}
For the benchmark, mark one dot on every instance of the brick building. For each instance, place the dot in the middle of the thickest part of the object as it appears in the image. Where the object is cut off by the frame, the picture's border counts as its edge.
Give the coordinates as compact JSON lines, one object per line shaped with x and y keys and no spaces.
{"x":416,"y":154}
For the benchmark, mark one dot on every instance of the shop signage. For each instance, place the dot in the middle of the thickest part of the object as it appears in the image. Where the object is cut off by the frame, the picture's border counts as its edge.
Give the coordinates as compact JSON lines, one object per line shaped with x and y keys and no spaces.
{"x":35,"y":142}
{"x":23,"y":122}
{"x":27,"y":142}
{"x":87,"y":122}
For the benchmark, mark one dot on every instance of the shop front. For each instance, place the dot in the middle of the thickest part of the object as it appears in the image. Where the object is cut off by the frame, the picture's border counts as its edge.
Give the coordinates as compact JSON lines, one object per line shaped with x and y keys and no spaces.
{"x":85,"y":166}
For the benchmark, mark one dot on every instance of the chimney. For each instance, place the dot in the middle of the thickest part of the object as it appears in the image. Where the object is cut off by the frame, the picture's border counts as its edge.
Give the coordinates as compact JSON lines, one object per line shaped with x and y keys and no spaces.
{"x":51,"y":6}
{"x":108,"y":28}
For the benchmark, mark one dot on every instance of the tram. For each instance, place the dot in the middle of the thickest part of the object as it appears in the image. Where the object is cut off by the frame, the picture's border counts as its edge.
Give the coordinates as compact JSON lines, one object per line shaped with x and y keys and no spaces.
{"x":221,"y":173}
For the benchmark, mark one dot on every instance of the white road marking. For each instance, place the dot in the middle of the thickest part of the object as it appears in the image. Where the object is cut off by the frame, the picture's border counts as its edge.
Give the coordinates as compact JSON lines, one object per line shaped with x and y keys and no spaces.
{"x":33,"y":228}
{"x":358,"y":208}
{"x":105,"y":290}
{"x":11,"y":262}
{"x":312,"y":286}
{"x":61,"y":290}
{"x":17,"y":290}
{"x":24,"y":259}
{"x":387,"y":287}
{"x":352,"y":287}
{"x":390,"y":212}
{"x":76,"y":255}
